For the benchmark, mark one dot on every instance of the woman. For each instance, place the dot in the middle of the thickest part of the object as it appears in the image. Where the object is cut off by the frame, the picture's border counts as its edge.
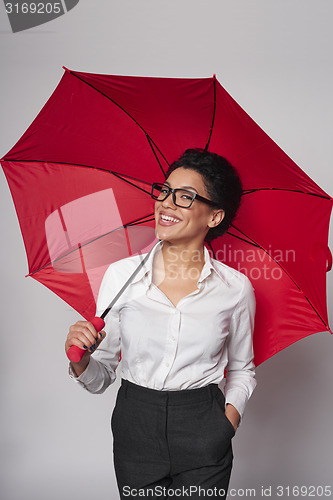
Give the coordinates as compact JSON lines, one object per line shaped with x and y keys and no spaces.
{"x":182,"y":321}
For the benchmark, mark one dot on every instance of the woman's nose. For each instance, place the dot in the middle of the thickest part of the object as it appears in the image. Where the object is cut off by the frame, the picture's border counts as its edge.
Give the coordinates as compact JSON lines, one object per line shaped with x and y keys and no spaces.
{"x":168,"y":202}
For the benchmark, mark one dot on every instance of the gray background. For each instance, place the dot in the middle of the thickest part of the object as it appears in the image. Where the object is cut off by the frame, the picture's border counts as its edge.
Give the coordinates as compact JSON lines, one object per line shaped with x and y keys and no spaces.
{"x":275,"y":59}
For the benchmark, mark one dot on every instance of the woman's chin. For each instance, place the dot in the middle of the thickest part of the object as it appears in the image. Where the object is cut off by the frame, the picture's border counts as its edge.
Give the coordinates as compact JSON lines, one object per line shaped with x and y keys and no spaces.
{"x":165,"y":234}
{"x":169,"y":239}
{"x":162,"y":233}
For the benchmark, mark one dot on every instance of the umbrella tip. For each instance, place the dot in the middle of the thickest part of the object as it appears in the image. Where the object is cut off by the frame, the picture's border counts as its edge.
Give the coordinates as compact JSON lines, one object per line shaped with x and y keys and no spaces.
{"x":66,"y":69}
{"x":214,"y":76}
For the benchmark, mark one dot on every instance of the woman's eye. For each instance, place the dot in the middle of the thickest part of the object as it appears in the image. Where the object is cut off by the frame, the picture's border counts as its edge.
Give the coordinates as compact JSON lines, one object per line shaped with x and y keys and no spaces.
{"x":186,"y":197}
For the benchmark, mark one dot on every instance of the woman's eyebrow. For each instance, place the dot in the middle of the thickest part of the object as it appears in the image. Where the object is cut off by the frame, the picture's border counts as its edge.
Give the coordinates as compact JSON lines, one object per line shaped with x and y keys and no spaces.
{"x":189,"y":187}
{"x":182,"y":187}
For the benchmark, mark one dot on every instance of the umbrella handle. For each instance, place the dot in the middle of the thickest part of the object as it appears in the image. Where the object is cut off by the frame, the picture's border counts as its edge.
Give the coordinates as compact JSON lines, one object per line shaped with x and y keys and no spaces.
{"x":74,"y":353}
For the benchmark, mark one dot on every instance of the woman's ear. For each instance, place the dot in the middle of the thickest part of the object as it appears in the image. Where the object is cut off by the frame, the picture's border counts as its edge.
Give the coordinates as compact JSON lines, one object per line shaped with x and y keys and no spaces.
{"x":216,"y":218}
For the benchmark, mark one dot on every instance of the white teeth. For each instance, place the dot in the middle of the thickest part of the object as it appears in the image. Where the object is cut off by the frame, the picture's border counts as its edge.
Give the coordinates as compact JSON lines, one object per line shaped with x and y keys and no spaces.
{"x":168,"y":218}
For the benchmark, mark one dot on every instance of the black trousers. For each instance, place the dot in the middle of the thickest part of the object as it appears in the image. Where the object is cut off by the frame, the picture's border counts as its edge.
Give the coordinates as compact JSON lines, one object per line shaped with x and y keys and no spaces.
{"x":171,"y":444}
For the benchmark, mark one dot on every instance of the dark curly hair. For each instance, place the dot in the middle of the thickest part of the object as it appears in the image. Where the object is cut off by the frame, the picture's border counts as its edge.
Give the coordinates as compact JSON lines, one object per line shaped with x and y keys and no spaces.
{"x":221,"y":180}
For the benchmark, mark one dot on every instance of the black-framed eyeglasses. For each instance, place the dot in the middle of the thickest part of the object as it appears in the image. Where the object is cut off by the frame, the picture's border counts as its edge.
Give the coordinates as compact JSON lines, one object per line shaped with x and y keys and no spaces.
{"x":181,"y":197}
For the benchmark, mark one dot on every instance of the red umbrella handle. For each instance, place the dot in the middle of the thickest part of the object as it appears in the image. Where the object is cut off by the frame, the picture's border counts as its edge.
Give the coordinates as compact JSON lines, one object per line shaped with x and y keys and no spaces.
{"x":74,"y":353}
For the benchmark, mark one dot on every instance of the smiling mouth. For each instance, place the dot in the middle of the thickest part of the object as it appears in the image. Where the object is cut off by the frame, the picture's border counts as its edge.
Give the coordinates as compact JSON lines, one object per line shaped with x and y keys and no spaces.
{"x":167,"y":218}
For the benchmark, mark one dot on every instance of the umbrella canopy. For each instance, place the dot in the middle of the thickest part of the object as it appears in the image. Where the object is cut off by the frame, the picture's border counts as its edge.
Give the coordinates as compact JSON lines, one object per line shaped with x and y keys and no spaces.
{"x":81,"y":174}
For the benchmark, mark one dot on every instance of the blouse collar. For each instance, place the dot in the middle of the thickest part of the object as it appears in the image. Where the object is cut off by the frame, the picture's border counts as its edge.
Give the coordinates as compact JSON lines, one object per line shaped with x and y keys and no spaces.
{"x":147,"y":269}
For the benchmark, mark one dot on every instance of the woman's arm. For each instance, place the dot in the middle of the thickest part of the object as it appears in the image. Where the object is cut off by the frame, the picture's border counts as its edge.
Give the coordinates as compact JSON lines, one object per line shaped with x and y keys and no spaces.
{"x":97,"y":369}
{"x":240,"y":378}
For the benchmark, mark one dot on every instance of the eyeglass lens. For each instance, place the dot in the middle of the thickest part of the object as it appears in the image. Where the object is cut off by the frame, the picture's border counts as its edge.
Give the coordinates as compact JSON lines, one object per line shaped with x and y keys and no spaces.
{"x":183,"y":197}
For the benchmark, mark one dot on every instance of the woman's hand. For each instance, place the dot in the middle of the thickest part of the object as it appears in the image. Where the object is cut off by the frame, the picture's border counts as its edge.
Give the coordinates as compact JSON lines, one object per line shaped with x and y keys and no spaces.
{"x":84,"y":335}
{"x":232,"y":414}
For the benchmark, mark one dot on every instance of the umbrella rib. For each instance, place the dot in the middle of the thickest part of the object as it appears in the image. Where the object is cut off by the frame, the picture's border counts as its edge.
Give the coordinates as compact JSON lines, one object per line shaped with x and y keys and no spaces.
{"x":243,"y":239}
{"x":150,"y":140}
{"x":143,"y":220}
{"x":119,"y":176}
{"x":116,"y":174}
{"x":80,"y":245}
{"x":156,"y":157}
{"x":284,"y":270}
{"x":250,"y":191}
{"x":214,"y":111}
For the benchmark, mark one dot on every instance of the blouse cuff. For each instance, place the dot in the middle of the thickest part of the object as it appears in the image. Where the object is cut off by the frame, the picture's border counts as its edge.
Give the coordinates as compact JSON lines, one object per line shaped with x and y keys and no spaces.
{"x":87,"y":376}
{"x":238,"y":399}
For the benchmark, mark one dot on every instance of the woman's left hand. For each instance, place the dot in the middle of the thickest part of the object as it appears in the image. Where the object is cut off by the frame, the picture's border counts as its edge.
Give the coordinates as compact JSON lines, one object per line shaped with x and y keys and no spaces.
{"x":232,"y":414}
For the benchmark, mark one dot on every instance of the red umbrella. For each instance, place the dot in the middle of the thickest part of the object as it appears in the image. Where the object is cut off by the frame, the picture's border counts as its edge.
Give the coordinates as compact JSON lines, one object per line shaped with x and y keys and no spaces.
{"x":81,"y":174}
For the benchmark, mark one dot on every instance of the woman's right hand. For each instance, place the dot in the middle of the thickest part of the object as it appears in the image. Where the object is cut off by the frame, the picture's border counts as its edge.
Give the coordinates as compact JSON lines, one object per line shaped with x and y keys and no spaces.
{"x":84,"y":335}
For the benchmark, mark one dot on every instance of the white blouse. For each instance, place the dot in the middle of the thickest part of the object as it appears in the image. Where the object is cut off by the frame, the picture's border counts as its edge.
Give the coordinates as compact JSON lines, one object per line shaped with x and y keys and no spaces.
{"x":165,"y":347}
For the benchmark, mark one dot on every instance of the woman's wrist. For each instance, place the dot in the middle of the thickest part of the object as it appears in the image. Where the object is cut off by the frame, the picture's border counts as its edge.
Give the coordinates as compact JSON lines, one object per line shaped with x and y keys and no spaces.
{"x":79,"y":368}
{"x":232,"y":414}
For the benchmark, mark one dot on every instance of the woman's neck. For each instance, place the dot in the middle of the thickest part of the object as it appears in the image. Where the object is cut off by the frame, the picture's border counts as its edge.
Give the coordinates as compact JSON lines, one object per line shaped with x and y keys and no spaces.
{"x":183,"y":261}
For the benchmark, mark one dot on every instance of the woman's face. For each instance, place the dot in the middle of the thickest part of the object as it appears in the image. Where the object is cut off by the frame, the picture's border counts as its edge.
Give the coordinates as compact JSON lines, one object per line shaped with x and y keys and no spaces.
{"x":188,"y":225}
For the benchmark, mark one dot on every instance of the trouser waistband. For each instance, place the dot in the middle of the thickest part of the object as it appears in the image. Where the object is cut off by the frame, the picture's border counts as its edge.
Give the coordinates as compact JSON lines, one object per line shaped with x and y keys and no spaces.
{"x":184,"y":396}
